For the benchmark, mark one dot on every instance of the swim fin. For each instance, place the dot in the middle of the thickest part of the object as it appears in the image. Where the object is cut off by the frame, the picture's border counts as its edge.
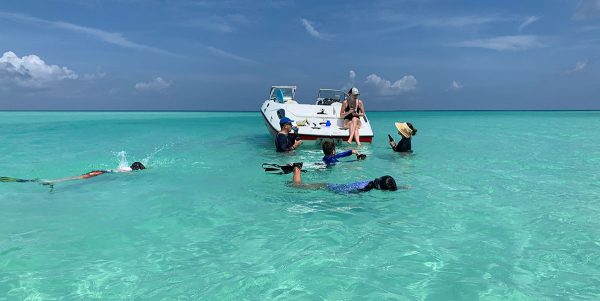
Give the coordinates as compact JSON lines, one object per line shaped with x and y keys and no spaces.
{"x":281,"y":169}
{"x":9,"y":179}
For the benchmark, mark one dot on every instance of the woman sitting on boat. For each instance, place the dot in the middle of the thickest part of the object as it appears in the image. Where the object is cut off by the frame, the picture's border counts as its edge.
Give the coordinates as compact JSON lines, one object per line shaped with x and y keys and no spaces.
{"x":352,"y":110}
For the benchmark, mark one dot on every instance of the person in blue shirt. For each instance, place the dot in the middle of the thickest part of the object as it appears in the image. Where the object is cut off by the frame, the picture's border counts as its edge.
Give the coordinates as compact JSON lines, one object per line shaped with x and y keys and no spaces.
{"x":331,"y":157}
{"x":284,"y":142}
{"x":381,"y":183}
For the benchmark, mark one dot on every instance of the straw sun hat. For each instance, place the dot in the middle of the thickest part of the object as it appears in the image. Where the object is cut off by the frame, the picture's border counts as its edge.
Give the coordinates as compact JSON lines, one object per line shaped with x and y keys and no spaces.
{"x":403,"y":129}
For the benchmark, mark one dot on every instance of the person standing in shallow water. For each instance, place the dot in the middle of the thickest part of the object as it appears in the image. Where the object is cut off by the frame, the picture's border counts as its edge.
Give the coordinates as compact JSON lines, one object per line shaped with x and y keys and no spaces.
{"x":406,"y":131}
{"x":283,"y":141}
{"x":352,"y":109}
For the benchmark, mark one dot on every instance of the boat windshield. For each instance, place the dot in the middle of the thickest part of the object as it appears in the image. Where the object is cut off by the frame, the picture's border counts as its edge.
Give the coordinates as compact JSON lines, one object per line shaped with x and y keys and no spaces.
{"x":282,"y":94}
{"x":329,"y":96}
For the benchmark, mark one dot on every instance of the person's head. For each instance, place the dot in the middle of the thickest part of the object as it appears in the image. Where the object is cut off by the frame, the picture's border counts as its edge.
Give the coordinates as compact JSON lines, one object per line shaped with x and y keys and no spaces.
{"x":137,"y":166}
{"x":286,"y":124}
{"x":414,"y":129}
{"x":385,"y":183}
{"x":405,"y":129}
{"x":353,"y":92}
{"x":328,"y":148}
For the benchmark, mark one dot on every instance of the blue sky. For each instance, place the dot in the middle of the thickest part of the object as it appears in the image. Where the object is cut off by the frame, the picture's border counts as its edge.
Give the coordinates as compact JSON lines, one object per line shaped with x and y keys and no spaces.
{"x":225,"y":55}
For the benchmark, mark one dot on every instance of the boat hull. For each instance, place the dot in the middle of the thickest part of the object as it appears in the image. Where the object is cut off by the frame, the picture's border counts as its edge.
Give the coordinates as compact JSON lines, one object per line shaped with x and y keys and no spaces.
{"x":312,"y":120}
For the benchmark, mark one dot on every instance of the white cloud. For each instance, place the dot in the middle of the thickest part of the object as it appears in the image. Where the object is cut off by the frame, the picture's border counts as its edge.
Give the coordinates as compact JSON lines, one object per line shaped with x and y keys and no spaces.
{"x":579,"y":66}
{"x":228,"y":55}
{"x":528,"y":21}
{"x":455,"y":85}
{"x":522,"y":42}
{"x":93,"y":76}
{"x":405,"y":84}
{"x":444,"y":22}
{"x":157,"y":84}
{"x":221,"y":24}
{"x":114,"y":38}
{"x":310,"y":28}
{"x":351,"y":81}
{"x":587,"y":9}
{"x":31,"y":71}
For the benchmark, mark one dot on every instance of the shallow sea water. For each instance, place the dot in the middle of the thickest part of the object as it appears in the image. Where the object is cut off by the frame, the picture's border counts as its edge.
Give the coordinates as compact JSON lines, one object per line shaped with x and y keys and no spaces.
{"x":501,"y":206}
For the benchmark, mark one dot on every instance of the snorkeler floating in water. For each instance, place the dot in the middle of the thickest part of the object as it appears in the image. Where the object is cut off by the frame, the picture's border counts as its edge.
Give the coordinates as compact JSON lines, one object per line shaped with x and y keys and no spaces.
{"x":381,"y":183}
{"x":91,"y":174}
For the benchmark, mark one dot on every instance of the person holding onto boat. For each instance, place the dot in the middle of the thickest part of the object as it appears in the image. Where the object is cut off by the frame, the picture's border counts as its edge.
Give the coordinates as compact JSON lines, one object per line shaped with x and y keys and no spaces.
{"x":381,"y":183}
{"x":284,"y":142}
{"x":331,"y":157}
{"x":406,"y":131}
{"x":352,"y":109}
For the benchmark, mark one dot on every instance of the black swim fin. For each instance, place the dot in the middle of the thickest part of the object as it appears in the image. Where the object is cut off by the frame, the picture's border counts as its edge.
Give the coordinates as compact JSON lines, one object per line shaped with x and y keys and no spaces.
{"x":281,"y":169}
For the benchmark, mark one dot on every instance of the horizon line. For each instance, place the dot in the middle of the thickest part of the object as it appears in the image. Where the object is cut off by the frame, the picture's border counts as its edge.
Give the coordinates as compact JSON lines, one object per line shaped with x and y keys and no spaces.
{"x":258,"y":111}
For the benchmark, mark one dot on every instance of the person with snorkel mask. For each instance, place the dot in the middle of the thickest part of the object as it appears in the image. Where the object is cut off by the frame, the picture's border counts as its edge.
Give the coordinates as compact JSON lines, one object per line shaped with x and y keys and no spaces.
{"x":382,"y":183}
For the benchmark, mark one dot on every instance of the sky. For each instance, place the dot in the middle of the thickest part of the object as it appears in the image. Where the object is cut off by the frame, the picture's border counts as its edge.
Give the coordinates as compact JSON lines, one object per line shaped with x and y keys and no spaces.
{"x":225,"y":55}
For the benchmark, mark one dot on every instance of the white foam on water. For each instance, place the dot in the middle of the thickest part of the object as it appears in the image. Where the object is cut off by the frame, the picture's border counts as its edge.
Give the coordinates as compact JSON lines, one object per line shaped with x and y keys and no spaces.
{"x":122,"y":159}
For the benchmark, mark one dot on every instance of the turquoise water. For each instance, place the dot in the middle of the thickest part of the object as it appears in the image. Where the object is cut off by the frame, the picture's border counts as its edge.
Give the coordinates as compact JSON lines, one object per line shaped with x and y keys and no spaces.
{"x":501,"y":206}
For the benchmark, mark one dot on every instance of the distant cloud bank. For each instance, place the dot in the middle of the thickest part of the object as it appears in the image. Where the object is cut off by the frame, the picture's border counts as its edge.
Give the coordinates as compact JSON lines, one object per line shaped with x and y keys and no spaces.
{"x":31,"y":71}
{"x":387,"y":88}
{"x":155,"y":85}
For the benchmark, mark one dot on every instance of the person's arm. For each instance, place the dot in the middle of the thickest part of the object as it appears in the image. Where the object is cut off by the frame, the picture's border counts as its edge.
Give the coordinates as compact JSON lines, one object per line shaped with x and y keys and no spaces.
{"x":297,"y":177}
{"x":345,"y":154}
{"x":297,"y":181}
{"x":362,"y":108}
{"x":296,"y":144}
{"x":343,"y":112}
{"x":343,"y":109}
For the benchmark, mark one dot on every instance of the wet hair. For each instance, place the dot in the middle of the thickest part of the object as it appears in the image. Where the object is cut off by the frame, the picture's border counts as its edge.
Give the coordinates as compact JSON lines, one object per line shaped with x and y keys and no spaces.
{"x":328,"y":148}
{"x":381,"y":183}
{"x":414,"y":130}
{"x":385,"y":183}
{"x":137,"y":166}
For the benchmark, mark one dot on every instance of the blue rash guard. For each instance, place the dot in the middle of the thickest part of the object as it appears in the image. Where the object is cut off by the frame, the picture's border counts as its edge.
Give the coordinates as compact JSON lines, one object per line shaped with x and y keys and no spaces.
{"x":329,"y":160}
{"x":355,"y":187}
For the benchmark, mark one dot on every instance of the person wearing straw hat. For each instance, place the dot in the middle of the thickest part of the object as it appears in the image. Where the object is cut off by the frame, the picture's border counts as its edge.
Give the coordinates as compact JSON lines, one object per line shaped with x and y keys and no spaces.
{"x":406,"y":131}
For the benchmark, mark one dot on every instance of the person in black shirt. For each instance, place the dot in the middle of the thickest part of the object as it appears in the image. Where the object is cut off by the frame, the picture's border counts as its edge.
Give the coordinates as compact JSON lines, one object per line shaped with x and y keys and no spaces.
{"x":283,"y":141}
{"x":406,"y":131}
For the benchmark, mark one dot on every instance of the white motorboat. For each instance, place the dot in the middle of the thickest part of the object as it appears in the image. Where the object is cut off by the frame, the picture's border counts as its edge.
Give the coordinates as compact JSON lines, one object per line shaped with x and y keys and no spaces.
{"x":316,"y":122}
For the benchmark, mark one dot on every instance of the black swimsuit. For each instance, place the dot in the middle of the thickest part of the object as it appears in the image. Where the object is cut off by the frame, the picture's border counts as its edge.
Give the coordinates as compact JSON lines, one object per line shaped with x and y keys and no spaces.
{"x":350,"y":116}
